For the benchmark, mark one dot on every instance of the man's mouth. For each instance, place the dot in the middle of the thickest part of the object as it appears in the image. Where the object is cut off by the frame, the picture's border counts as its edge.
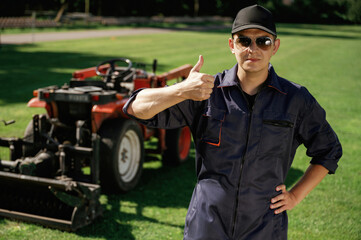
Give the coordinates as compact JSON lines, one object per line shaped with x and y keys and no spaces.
{"x":252,"y":59}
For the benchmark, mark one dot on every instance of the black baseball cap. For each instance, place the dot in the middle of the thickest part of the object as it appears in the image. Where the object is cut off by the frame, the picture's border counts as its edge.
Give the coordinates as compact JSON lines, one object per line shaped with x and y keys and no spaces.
{"x":254,"y":16}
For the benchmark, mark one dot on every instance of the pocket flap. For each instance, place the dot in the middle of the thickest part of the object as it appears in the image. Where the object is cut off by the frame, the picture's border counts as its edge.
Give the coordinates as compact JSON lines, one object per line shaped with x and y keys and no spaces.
{"x":278,"y":119}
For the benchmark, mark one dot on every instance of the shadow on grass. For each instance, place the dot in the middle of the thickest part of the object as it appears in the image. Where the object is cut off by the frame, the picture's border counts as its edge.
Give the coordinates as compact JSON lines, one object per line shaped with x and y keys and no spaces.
{"x":319,"y":31}
{"x":163,"y":187}
{"x":21,"y":72}
{"x":316,"y":35}
{"x":293,"y":176}
{"x":303,"y":30}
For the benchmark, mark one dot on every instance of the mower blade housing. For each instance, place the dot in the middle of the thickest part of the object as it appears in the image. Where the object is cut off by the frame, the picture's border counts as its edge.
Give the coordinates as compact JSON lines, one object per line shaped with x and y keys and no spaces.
{"x":61,"y":204}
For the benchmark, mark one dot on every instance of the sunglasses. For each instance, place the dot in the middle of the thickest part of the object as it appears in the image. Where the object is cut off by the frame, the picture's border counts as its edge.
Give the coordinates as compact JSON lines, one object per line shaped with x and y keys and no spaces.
{"x":263,"y":43}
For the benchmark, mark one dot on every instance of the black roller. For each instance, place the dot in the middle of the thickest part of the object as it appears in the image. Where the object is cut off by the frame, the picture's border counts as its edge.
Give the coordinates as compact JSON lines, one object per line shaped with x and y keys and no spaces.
{"x":62,"y":204}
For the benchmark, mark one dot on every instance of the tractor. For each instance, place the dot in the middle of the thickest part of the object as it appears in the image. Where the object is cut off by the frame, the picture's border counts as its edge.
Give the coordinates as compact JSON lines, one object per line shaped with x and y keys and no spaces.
{"x":84,"y":144}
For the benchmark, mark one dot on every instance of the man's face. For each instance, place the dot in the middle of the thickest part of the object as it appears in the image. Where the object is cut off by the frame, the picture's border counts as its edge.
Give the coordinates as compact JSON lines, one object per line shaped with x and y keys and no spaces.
{"x":253,"y":58}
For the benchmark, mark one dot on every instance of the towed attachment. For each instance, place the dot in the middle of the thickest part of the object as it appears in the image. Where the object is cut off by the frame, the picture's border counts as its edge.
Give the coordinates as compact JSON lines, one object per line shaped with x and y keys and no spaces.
{"x":63,"y":204}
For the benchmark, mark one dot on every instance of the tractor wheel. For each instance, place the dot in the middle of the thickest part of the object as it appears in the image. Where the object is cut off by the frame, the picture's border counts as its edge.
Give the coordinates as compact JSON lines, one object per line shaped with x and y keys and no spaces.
{"x":121,"y":155}
{"x":178,"y":143}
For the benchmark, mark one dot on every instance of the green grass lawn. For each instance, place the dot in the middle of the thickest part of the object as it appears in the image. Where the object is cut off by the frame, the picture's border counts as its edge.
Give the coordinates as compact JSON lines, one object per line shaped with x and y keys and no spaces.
{"x":326,"y":59}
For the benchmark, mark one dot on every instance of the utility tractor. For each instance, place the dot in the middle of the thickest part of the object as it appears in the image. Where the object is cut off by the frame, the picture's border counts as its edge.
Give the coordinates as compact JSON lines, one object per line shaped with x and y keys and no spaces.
{"x":84,"y":144}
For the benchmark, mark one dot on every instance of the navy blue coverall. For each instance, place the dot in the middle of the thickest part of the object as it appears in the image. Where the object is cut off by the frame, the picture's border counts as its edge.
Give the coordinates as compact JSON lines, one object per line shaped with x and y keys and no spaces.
{"x":243,"y":153}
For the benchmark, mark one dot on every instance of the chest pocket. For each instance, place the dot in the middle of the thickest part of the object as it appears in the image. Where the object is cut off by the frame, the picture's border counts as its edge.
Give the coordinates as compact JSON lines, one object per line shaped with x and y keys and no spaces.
{"x":276,"y":134}
{"x":212,"y":121}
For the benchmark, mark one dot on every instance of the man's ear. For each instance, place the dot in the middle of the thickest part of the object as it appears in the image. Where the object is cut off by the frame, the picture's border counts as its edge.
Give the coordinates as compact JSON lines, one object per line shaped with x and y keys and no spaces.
{"x":276,"y":46}
{"x":231,"y":45}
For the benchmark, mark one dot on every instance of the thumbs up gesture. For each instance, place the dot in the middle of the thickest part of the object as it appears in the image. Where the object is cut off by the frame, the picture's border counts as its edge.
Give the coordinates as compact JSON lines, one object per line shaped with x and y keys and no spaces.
{"x":198,"y":86}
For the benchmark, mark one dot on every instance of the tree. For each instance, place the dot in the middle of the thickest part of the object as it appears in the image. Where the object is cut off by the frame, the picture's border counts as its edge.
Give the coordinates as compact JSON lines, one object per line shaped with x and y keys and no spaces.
{"x":196,"y":7}
{"x":87,"y":5}
{"x":63,"y":7}
{"x":353,"y":12}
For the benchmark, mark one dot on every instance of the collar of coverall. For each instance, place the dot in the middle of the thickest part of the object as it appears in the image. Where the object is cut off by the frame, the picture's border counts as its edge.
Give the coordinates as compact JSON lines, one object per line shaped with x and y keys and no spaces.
{"x":230,"y":79}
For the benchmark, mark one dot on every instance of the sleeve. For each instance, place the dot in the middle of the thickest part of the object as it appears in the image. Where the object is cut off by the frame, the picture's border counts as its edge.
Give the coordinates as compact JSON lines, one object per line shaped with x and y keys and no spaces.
{"x":318,"y":137}
{"x":179,"y":115}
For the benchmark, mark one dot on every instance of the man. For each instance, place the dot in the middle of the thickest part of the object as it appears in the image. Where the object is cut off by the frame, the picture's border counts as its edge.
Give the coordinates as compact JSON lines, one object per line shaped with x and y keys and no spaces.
{"x":247,"y":123}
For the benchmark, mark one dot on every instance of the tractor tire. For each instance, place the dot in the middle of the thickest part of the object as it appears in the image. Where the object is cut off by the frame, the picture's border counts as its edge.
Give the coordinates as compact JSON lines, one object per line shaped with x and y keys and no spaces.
{"x":178,"y":143}
{"x":121,"y":155}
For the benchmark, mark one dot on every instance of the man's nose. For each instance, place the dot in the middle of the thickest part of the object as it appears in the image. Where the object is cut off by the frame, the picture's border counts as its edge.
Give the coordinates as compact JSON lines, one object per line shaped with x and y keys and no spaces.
{"x":253,"y":46}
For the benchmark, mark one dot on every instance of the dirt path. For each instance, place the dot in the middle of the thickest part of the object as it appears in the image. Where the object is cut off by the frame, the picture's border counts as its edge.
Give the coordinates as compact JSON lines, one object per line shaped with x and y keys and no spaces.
{"x":56,"y":36}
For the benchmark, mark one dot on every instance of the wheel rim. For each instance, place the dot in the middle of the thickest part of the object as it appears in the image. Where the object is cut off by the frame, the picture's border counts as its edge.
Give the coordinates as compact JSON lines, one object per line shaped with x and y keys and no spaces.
{"x":184,"y":144}
{"x":129,"y":156}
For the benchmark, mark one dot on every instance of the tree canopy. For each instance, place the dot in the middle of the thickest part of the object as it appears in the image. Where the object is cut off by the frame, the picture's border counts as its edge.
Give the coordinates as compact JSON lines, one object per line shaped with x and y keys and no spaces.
{"x":301,"y":11}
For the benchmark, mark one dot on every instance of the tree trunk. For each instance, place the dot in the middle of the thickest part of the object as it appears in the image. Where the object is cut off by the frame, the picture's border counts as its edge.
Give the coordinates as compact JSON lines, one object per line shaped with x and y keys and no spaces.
{"x":61,"y":11}
{"x":196,"y":7}
{"x":87,"y":6}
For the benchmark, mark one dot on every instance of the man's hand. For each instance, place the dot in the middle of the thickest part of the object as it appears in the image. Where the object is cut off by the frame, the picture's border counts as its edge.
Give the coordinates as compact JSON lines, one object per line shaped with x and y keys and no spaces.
{"x":289,"y":199}
{"x":198,"y":86}
{"x":285,"y":201}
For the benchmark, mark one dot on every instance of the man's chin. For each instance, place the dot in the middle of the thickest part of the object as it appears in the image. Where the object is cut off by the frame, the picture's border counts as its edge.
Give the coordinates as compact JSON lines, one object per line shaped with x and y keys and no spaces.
{"x":251,"y":69}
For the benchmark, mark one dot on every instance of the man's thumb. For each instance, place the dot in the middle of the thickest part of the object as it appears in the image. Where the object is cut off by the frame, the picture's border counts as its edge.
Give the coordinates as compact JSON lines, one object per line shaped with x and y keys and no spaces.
{"x":199,"y":64}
